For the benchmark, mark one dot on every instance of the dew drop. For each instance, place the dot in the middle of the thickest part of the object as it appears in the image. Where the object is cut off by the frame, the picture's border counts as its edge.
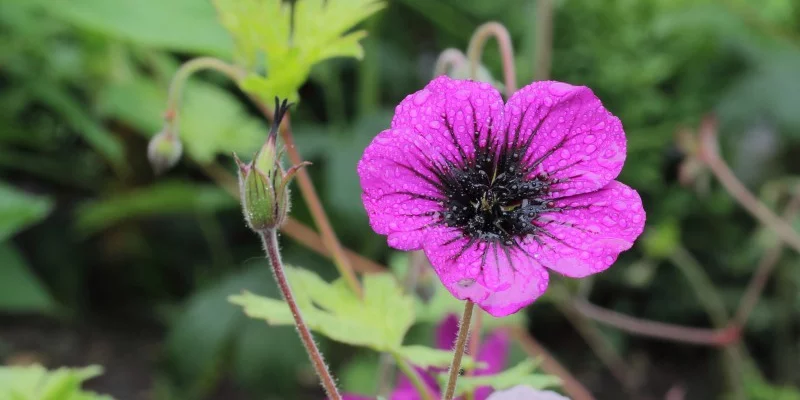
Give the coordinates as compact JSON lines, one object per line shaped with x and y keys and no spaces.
{"x":421,"y":97}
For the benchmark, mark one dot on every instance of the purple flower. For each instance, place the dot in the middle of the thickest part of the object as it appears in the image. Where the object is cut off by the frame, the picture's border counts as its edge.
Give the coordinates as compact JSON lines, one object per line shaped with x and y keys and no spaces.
{"x":496,"y":194}
{"x":493,"y":352}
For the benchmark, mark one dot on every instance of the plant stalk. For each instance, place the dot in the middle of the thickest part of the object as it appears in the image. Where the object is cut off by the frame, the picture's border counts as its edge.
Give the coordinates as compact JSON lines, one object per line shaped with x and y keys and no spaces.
{"x":270,"y":239}
{"x":458,"y":351}
{"x":415,"y":378}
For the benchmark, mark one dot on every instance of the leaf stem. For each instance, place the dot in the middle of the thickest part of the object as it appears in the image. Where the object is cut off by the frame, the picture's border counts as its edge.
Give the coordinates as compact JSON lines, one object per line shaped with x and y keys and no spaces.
{"x":458,"y":351}
{"x":415,"y":378}
{"x":270,"y":239}
{"x":475,"y":50}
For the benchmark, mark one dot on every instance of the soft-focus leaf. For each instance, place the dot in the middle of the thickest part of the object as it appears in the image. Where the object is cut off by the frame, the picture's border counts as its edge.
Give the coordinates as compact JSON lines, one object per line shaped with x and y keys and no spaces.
{"x":164,"y":197}
{"x":333,"y":310}
{"x":289,"y":55}
{"x":37,"y":383}
{"x":521,"y":374}
{"x":19,"y":210}
{"x":210,"y":331}
{"x":212,"y":121}
{"x":427,"y":357}
{"x":20,"y":289}
{"x":179,"y":25}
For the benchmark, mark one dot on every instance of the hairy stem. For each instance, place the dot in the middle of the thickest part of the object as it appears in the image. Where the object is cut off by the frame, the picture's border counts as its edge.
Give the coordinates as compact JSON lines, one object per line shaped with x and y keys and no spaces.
{"x":314,"y":204}
{"x":270,"y":239}
{"x":475,"y":51}
{"x":182,"y":76}
{"x":415,"y":378}
{"x":458,"y":351}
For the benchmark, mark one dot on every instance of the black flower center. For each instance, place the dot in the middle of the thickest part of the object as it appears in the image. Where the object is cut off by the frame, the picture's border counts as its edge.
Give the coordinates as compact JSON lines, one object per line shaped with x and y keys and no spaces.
{"x":491,"y":197}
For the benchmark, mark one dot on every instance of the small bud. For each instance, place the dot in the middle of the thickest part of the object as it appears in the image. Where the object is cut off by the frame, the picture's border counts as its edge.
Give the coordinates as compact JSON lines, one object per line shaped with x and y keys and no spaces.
{"x":263,"y":183}
{"x":164,"y":151}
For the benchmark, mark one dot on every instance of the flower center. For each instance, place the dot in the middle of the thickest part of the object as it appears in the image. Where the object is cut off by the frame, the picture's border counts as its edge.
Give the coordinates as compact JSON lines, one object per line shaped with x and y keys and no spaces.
{"x":492,"y":198}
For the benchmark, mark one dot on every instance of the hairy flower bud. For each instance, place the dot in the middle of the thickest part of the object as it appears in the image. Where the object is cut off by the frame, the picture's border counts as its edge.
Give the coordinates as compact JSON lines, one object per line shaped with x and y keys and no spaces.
{"x":164,"y":151}
{"x":263,"y":183}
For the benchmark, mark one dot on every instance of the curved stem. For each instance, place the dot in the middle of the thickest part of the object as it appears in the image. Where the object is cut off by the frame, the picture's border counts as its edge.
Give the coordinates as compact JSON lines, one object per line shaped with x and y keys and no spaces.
{"x":458,"y":351}
{"x":447,"y":60}
{"x":710,"y":155}
{"x":270,"y":239}
{"x":182,"y":76}
{"x":475,"y":51}
{"x":413,"y":376}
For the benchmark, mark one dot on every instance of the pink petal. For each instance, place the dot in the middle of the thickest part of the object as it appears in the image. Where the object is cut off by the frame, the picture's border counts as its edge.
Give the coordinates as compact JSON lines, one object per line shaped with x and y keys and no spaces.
{"x":571,"y":135}
{"x":501,"y":280}
{"x":494,"y":352}
{"x":587,"y":238}
{"x":355,"y":397}
{"x":467,"y":108}
{"x":399,"y":191}
{"x":446,"y":332}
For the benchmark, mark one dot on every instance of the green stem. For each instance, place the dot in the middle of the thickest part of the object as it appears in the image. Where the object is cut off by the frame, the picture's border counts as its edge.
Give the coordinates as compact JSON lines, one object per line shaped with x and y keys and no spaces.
{"x":458,"y":351}
{"x":182,"y":76}
{"x":270,"y":239}
{"x":415,"y":378}
{"x":475,"y":50}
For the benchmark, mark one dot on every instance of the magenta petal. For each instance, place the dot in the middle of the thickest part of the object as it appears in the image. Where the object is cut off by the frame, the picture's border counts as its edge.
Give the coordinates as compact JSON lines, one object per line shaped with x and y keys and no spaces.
{"x":446,"y":332}
{"x":590,"y":233}
{"x":493,"y":352}
{"x":399,"y":191}
{"x":570,"y":135}
{"x":469,"y":108}
{"x":500,"y":279}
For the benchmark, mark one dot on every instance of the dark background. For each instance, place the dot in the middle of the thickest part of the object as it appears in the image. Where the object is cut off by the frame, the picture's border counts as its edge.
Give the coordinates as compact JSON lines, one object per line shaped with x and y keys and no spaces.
{"x":101,"y":262}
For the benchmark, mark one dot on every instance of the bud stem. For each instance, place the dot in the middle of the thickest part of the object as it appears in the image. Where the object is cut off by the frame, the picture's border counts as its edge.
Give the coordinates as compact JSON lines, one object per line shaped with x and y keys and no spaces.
{"x":270,"y":239}
{"x":458,"y":351}
{"x":182,"y":76}
{"x":475,"y":50}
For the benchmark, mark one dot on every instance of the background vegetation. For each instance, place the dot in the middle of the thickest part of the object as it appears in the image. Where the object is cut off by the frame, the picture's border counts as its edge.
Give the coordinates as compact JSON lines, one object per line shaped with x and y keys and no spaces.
{"x":103,"y":263}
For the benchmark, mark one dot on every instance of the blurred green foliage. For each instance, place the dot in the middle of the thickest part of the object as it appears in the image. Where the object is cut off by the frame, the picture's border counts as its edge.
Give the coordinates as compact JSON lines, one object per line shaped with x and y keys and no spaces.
{"x":88,"y":235}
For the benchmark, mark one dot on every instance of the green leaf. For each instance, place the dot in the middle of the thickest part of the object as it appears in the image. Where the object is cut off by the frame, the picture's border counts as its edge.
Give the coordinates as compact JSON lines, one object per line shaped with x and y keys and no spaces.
{"x":19,"y":210}
{"x":164,"y":197}
{"x":334,"y":311}
{"x":426,"y":357}
{"x":178,"y":25}
{"x":20,"y":289}
{"x":521,"y":374}
{"x":84,"y":124}
{"x":319,"y":34}
{"x":37,"y":383}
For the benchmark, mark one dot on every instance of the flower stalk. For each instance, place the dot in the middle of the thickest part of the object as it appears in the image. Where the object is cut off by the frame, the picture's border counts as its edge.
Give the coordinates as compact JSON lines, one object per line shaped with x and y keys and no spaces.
{"x":270,"y":239}
{"x":475,"y":50}
{"x":458,"y":351}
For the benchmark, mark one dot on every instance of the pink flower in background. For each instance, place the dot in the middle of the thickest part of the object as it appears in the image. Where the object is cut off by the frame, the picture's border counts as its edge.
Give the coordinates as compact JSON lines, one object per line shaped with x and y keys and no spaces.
{"x":493,"y":352}
{"x":496,"y":194}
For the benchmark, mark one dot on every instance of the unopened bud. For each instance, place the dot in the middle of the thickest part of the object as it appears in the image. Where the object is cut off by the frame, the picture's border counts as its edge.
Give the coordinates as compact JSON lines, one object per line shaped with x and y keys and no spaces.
{"x":164,"y":151}
{"x":264,"y":184}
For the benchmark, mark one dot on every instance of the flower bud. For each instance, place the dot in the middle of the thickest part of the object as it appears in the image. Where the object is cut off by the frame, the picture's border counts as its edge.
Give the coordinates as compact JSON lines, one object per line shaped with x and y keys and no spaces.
{"x":263,"y":183}
{"x":164,"y":151}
